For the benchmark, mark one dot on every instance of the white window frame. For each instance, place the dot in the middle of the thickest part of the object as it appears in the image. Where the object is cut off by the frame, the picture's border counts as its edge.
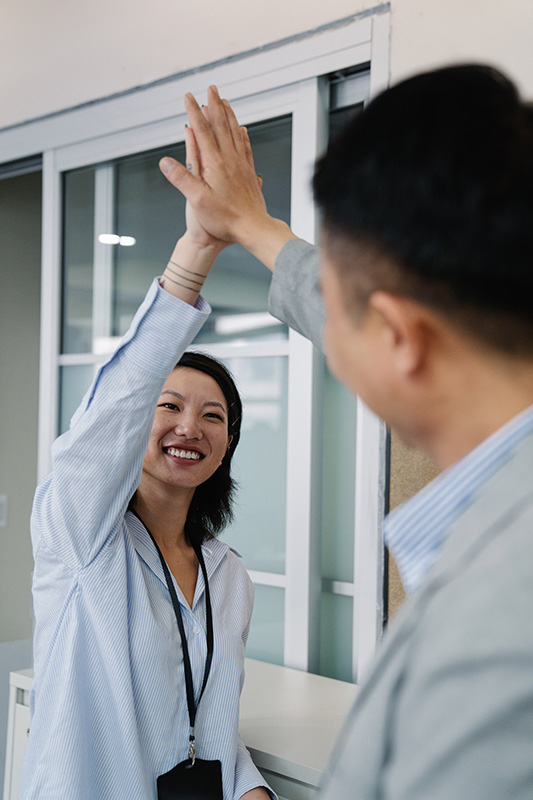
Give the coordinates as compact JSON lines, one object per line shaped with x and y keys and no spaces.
{"x":280,"y":80}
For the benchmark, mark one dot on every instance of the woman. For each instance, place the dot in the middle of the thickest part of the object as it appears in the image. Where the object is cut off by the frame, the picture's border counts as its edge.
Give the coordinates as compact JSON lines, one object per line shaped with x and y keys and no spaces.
{"x":123,"y":537}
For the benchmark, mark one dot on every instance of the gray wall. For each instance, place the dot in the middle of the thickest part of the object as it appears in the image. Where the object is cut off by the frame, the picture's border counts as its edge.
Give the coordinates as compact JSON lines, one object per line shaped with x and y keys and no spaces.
{"x":20,"y":273}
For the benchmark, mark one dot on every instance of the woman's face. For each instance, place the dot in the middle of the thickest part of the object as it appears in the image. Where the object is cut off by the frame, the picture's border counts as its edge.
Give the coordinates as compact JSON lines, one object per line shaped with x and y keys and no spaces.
{"x":189,"y":436}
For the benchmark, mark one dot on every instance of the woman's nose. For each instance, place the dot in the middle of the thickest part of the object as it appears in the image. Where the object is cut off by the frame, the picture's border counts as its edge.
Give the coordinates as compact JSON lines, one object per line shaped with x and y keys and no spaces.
{"x":188,"y":426}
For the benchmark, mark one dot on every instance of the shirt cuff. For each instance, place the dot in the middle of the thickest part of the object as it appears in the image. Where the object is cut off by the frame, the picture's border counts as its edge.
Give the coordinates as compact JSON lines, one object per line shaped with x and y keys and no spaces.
{"x":161,"y":326}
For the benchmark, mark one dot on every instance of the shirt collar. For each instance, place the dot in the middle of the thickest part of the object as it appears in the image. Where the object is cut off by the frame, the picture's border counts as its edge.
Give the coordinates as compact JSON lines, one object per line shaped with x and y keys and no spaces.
{"x":213,"y":551}
{"x":416,"y":531}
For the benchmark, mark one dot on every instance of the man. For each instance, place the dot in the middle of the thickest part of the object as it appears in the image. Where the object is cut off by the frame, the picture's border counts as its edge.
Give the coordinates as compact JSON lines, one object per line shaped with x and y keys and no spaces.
{"x":427,"y":282}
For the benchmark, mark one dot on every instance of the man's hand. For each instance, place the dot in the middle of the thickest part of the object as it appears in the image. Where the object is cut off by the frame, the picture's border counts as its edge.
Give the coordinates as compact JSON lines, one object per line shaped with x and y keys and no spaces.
{"x":220,"y":183}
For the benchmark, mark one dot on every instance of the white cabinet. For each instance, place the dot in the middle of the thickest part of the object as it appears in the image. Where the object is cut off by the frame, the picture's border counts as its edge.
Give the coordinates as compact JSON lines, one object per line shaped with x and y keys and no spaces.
{"x":18,"y":728}
{"x":290,"y":721}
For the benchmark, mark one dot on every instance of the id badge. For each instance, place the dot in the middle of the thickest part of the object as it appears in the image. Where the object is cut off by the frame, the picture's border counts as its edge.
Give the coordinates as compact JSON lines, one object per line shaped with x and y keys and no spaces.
{"x":201,"y":780}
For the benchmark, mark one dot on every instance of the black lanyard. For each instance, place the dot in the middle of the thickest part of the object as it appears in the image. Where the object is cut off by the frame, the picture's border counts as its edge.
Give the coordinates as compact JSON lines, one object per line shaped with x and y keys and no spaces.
{"x":192,"y":706}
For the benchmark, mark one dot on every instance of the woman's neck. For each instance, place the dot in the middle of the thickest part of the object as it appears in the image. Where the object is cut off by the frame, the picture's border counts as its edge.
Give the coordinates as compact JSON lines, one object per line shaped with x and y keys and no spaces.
{"x":164,"y":514}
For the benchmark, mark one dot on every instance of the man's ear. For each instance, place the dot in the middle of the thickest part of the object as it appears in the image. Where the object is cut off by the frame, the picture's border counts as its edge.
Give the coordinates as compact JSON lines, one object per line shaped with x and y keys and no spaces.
{"x":405,"y":327}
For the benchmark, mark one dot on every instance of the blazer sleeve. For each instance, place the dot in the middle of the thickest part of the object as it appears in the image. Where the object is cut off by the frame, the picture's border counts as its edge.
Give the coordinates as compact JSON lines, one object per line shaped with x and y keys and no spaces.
{"x":295,"y":297}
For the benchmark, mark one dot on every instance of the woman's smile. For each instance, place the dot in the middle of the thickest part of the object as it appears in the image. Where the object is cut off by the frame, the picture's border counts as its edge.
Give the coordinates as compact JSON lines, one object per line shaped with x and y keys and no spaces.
{"x":189,"y":435}
{"x":181,"y":454}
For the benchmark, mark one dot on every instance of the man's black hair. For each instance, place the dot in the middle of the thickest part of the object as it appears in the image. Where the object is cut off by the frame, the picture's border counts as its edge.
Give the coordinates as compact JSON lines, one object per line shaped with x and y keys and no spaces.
{"x":436,"y":174}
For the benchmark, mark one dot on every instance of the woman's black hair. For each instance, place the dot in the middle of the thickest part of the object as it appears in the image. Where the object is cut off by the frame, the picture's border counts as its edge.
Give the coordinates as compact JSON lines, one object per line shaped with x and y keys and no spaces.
{"x":211,"y":508}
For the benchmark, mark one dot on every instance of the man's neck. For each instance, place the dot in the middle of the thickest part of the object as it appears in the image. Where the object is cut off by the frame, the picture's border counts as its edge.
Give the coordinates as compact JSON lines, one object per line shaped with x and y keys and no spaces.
{"x":481,"y":397}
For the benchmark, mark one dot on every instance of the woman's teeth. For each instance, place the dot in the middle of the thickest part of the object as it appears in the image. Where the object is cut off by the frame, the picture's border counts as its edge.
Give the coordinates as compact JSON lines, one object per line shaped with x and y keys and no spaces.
{"x":192,"y":454}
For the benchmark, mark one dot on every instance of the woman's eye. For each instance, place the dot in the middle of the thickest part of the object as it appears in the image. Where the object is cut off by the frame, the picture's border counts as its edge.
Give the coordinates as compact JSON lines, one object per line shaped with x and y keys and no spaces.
{"x":171,"y":406}
{"x":215,"y":416}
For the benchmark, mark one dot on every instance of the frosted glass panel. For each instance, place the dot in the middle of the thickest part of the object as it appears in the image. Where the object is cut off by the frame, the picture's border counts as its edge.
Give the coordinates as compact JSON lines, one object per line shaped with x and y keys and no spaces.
{"x":260,"y":463}
{"x":267,"y":630}
{"x":78,"y":246}
{"x":149,"y":209}
{"x":336,"y":636}
{"x":73,"y":383}
{"x":338,"y":480}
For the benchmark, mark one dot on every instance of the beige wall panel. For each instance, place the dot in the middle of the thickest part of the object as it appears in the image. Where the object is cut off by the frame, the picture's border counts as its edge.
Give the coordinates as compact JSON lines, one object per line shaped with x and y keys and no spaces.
{"x":410,"y":471}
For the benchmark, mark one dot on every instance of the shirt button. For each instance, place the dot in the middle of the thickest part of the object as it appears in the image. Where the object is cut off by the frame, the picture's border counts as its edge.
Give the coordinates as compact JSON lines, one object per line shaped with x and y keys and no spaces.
{"x":196,"y":631}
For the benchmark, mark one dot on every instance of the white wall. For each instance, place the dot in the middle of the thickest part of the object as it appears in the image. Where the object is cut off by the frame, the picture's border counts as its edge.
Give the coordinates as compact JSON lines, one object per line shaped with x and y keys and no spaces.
{"x":426,"y":33}
{"x":58,"y":54}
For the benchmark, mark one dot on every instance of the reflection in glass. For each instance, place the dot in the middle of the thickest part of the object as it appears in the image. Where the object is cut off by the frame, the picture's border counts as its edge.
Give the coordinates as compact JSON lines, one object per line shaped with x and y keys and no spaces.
{"x":258,"y":532}
{"x":265,"y":641}
{"x":336,"y":621}
{"x":73,"y":383}
{"x":149,"y":209}
{"x":340,"y":117}
{"x":78,"y":226}
{"x":338,"y":480}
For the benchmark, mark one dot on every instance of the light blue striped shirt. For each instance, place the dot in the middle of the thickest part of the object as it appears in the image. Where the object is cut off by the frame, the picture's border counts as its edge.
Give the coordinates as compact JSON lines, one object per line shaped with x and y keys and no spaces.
{"x":109,"y":712}
{"x":416,"y":531}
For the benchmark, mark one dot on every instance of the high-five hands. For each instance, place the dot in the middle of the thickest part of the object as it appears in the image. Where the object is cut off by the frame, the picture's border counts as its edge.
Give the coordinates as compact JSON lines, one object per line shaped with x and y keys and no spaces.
{"x":225,"y":202}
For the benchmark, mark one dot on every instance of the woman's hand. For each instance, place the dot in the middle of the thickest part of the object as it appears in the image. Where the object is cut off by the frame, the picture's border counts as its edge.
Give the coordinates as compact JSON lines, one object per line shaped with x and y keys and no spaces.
{"x":197,"y":250}
{"x":195,"y":231}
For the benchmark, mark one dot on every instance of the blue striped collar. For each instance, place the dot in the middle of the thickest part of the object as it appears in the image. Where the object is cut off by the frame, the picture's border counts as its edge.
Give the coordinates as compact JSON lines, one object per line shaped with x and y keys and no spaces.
{"x":416,"y":531}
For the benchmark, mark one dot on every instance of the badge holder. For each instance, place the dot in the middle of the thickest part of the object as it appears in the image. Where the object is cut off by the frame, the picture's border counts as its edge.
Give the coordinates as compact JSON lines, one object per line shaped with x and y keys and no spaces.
{"x":194,"y":778}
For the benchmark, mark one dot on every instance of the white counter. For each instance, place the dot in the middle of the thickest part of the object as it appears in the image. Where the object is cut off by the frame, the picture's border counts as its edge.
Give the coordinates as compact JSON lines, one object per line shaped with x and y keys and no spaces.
{"x":290,"y":721}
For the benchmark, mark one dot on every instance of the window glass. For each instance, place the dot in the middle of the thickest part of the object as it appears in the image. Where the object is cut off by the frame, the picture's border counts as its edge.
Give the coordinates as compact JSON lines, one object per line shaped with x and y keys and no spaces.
{"x":78,"y":247}
{"x":338,"y":480}
{"x":340,"y":117}
{"x":338,"y":508}
{"x":336,"y":622}
{"x":260,"y":464}
{"x":265,"y":641}
{"x":338,"y":447}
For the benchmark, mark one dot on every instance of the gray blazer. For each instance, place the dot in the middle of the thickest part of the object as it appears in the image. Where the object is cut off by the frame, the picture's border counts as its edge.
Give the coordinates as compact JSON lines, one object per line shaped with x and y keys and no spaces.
{"x":447,"y":712}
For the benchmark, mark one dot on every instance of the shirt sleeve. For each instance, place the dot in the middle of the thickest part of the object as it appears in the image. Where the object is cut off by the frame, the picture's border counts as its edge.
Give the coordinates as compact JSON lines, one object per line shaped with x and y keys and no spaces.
{"x":295,"y":296}
{"x":247,"y":776}
{"x":97,"y":464}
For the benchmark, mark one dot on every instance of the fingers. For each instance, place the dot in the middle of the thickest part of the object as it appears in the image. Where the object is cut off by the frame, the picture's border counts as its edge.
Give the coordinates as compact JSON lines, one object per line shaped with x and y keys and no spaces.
{"x":192,"y":156}
{"x":249,"y":154}
{"x":234,"y":127}
{"x":178,"y":176}
{"x":200,"y":124}
{"x":247,"y":147}
{"x":219,"y":122}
